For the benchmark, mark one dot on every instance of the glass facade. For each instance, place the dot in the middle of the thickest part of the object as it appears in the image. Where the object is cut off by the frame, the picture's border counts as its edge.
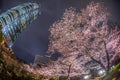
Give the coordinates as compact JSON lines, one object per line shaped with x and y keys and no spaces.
{"x":15,"y":20}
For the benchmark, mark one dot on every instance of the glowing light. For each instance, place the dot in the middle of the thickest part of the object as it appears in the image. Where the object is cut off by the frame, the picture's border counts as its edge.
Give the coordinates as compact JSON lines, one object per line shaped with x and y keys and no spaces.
{"x":87,"y":77}
{"x":102,"y":72}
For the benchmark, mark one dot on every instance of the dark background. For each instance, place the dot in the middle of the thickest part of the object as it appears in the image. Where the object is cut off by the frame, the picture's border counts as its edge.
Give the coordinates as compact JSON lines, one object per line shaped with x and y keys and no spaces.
{"x":34,"y":39}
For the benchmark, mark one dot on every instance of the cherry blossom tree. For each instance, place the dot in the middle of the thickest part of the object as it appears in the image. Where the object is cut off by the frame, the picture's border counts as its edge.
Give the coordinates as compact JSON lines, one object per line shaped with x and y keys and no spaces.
{"x":85,"y":38}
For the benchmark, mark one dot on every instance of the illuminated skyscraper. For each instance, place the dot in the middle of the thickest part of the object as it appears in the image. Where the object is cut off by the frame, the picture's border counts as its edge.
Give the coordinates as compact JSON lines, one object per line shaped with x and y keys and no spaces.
{"x":15,"y":20}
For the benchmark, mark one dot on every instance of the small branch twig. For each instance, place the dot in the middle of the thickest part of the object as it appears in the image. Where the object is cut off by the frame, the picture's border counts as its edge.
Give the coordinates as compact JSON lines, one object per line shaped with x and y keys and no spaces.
{"x":69,"y":69}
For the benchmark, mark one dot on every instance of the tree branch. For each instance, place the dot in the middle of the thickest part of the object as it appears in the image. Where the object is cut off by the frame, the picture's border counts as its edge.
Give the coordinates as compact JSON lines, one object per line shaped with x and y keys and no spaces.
{"x":107,"y":56}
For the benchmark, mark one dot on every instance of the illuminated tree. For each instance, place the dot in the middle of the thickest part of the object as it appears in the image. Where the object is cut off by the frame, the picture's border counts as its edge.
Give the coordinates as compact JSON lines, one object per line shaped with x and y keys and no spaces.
{"x":85,"y":39}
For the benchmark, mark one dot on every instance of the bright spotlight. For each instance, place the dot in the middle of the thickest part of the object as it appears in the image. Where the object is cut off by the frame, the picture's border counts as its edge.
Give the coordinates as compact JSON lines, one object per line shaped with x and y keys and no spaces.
{"x":87,"y":77}
{"x":102,"y":72}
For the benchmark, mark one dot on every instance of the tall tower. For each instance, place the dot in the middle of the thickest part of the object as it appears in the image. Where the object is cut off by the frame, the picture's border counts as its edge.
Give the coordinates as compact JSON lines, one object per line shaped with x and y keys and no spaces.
{"x":15,"y":20}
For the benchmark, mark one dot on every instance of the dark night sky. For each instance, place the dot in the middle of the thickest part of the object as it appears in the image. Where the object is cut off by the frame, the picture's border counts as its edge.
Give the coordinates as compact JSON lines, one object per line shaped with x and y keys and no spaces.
{"x":34,"y":40}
